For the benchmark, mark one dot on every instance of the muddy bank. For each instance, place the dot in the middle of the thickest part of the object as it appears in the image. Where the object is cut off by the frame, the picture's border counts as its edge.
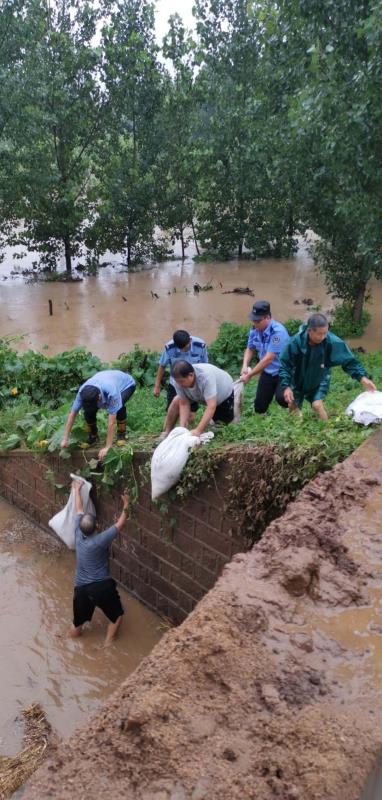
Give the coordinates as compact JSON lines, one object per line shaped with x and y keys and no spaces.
{"x":272,"y":686}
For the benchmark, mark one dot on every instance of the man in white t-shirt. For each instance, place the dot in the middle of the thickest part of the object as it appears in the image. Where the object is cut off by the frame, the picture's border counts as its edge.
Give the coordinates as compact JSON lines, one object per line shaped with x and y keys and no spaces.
{"x":206,"y":384}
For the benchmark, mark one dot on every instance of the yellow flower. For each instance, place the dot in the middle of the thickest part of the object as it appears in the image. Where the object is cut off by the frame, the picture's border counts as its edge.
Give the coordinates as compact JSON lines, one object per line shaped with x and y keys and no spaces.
{"x":14,"y":391}
{"x":43,"y":443}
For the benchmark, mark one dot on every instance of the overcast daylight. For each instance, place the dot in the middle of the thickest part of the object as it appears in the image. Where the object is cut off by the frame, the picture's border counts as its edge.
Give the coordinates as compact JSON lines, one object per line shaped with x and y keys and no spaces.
{"x":164,"y":9}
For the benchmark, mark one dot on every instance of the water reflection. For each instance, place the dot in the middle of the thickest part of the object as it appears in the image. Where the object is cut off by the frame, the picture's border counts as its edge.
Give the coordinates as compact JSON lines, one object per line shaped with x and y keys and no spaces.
{"x":38,"y":662}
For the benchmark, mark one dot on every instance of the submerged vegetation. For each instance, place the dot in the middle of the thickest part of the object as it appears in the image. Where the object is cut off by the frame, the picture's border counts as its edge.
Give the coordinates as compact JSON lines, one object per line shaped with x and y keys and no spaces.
{"x":239,"y":135}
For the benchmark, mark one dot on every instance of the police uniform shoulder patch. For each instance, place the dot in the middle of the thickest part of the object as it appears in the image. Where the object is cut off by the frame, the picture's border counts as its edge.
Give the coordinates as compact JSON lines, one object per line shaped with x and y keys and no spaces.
{"x":276,"y":339}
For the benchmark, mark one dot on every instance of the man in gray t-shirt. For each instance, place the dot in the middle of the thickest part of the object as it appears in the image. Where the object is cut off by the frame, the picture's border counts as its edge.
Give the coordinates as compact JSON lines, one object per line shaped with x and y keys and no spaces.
{"x":206,"y":384}
{"x":94,"y":586}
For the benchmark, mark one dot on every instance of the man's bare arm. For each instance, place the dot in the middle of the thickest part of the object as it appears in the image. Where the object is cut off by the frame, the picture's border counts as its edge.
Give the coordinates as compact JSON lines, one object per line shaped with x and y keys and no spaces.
{"x":76,"y":485}
{"x":124,"y":513}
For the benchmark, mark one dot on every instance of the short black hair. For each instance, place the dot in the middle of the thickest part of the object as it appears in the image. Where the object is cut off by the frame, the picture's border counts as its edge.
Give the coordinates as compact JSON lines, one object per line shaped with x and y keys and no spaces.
{"x":318,"y":321}
{"x":89,"y":396}
{"x":182,"y":369}
{"x":181,"y":339}
{"x":87,"y":524}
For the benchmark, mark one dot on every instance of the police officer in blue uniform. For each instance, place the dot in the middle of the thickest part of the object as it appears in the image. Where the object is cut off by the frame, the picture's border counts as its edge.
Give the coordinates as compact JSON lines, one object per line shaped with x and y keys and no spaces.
{"x":268,"y":338}
{"x":189,"y":348}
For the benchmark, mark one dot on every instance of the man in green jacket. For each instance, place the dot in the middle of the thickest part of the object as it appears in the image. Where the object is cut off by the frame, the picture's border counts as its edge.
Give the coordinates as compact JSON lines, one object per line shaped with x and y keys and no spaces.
{"x":305,"y":366}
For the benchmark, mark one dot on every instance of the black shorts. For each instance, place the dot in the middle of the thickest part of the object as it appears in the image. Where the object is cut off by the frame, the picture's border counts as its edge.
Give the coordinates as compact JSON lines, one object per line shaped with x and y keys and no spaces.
{"x":171,"y":393}
{"x":224,"y":411}
{"x":101,"y":594}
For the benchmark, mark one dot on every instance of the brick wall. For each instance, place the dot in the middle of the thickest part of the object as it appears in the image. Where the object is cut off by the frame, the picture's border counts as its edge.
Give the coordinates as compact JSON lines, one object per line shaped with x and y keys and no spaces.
{"x":168,"y":561}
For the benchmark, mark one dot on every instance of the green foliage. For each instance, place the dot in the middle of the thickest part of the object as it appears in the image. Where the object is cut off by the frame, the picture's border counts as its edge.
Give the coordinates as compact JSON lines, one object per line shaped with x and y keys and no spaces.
{"x":143,"y":364}
{"x":343,"y":324}
{"x":45,"y":379}
{"x":285,"y":449}
{"x":293,"y":325}
{"x":228,"y":348}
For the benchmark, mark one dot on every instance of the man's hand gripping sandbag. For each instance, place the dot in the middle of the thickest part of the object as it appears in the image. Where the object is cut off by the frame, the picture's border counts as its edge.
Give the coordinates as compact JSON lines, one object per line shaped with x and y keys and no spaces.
{"x":63,"y":523}
{"x":170,"y":457}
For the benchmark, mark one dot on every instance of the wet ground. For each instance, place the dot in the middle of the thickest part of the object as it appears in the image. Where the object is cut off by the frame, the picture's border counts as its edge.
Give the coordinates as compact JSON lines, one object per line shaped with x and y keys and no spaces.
{"x":38,"y":662}
{"x":109,"y":313}
{"x":272,"y":686}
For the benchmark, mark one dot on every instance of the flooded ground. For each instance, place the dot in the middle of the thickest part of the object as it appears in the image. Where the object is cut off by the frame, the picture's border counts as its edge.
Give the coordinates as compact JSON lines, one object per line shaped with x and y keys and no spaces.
{"x":109,"y":313}
{"x":38,"y":662}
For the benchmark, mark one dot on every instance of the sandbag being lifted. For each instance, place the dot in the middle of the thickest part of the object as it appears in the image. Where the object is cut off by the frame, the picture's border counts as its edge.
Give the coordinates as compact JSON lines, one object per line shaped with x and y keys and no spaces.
{"x":366,"y":408}
{"x":170,"y":457}
{"x":63,"y":523}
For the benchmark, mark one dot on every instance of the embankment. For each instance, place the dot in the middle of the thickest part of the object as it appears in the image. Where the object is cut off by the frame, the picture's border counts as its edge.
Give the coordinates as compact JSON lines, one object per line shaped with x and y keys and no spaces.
{"x":272,"y":686}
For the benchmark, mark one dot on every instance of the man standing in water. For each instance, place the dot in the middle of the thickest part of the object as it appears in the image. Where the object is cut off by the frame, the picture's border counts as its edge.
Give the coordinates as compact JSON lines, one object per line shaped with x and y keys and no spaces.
{"x":110,"y":389}
{"x":94,"y":586}
{"x":305,"y":366}
{"x":189,"y":348}
{"x":268,"y":337}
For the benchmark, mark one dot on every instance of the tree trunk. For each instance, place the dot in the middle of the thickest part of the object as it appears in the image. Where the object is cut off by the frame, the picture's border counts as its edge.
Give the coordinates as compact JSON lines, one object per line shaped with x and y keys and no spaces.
{"x":195,"y":239}
{"x":358,"y":302}
{"x":68,"y":255}
{"x":182,"y":242}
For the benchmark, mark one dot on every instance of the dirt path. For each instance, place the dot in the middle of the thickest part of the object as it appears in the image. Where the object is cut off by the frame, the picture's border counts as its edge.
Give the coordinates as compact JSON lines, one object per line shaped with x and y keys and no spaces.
{"x":272,"y":687}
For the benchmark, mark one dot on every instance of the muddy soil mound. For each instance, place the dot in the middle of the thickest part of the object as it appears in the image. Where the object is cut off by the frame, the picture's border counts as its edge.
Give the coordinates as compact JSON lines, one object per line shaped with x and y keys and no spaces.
{"x":258,"y":694}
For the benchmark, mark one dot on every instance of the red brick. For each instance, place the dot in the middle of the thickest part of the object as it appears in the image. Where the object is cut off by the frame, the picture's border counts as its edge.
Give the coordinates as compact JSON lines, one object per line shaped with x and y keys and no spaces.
{"x":206,"y":578}
{"x":186,"y":564}
{"x":164,"y":587}
{"x":238,"y":546}
{"x":188,"y":546}
{"x":197,"y":509}
{"x":186,"y":523}
{"x":187,"y":603}
{"x":115,"y":570}
{"x":209,"y":559}
{"x":143,"y":591}
{"x":148,"y":520}
{"x":215,"y":518}
{"x":210,"y":537}
{"x":229,"y":527}
{"x":159,"y":547}
{"x":180,"y":580}
{"x":169,"y":610}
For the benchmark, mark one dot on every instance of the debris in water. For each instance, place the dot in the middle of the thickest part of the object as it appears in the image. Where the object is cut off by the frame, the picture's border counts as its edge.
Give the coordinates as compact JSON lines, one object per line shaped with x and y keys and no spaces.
{"x":15,"y":770}
{"x":241,"y":290}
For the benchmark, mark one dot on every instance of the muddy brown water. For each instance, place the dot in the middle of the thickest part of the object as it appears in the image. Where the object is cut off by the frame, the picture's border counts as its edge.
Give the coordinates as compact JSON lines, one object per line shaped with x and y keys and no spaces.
{"x":109,"y":313}
{"x":38,"y":662}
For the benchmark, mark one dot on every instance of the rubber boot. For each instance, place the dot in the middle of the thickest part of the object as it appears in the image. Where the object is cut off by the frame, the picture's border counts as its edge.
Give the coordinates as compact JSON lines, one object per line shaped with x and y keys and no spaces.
{"x":91,"y":429}
{"x":121,"y":432}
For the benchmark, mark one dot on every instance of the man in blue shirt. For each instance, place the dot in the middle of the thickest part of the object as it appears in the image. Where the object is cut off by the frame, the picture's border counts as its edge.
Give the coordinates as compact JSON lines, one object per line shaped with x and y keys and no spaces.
{"x":109,"y":389}
{"x":268,"y":338}
{"x":185,"y":347}
{"x":93,"y":585}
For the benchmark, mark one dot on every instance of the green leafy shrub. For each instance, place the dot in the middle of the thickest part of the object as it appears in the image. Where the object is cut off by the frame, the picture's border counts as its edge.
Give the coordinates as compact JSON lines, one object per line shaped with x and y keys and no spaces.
{"x":293,"y":325}
{"x":343,"y":324}
{"x":142,"y":365}
{"x":228,"y":348}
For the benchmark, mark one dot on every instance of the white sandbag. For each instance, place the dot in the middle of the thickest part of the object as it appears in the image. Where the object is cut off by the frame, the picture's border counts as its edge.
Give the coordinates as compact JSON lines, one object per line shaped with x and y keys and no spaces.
{"x":366,"y":408}
{"x":170,"y":457}
{"x":238,"y":400}
{"x":63,"y":523}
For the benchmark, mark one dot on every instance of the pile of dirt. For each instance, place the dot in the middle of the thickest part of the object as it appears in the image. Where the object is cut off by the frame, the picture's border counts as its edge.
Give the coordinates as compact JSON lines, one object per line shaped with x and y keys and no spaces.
{"x":253,"y":697}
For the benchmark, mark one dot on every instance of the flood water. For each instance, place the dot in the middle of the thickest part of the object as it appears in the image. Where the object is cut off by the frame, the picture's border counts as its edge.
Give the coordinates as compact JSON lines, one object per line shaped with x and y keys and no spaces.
{"x":38,"y":661}
{"x":109,"y":313}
